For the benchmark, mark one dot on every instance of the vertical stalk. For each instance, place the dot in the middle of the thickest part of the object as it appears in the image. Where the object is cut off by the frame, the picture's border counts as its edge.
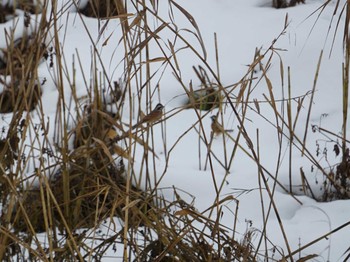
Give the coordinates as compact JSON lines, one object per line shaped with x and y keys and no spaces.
{"x":290,"y":127}
{"x":346,"y":80}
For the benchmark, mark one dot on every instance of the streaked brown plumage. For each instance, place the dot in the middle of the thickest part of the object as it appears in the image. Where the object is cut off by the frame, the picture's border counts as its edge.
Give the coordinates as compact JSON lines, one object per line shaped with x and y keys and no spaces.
{"x":155,"y":115}
{"x":216,"y":127}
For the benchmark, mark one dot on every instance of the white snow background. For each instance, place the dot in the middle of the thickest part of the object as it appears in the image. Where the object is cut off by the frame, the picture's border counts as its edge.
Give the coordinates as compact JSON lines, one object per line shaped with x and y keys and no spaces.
{"x":241,"y":26}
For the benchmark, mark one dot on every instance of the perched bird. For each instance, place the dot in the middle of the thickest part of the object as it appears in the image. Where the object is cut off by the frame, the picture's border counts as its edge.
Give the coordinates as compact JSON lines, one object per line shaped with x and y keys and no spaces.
{"x":216,"y":127}
{"x":155,"y":115}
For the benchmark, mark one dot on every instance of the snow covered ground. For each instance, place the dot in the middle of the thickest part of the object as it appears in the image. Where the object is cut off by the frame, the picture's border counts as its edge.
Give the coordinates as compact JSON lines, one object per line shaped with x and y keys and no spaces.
{"x":241,"y":26}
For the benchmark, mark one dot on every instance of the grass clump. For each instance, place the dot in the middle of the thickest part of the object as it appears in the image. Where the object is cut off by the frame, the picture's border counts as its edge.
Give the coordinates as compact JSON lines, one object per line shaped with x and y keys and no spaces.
{"x":102,"y":9}
{"x":65,"y":183}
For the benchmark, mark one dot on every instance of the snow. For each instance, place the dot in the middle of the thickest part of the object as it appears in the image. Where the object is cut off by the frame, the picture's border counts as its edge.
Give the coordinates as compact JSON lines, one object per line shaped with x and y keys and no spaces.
{"x":241,"y":27}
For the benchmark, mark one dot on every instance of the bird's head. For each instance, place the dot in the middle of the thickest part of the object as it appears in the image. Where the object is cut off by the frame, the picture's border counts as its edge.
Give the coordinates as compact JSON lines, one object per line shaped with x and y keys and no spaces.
{"x":159,"y":106}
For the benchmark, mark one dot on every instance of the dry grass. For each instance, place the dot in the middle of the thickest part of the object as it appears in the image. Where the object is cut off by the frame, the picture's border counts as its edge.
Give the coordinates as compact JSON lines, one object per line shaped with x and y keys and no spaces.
{"x":84,"y":179}
{"x":80,"y":180}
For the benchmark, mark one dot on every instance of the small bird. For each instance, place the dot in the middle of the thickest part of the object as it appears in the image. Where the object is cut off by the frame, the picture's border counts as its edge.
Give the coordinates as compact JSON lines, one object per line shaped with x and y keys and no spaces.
{"x":155,"y":115}
{"x":216,"y":127}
